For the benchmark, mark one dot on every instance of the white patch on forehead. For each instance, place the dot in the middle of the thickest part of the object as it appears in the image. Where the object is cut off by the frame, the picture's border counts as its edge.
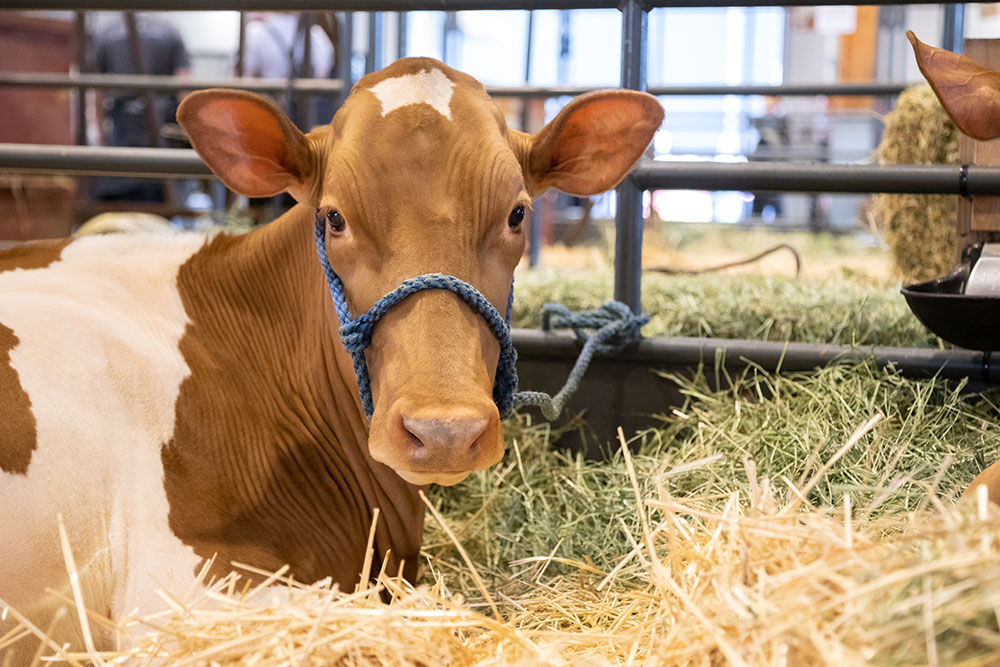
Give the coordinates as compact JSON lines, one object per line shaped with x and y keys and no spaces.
{"x":428,"y":87}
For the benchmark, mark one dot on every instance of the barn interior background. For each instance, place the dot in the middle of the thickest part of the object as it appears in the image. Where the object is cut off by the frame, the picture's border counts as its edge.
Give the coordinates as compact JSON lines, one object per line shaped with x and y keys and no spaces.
{"x":797,"y":436}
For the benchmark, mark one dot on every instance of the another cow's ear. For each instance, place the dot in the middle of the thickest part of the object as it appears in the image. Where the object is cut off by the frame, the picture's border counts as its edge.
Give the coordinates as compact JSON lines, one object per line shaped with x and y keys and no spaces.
{"x":969,"y":92}
{"x":249,"y":143}
{"x":593,"y":142}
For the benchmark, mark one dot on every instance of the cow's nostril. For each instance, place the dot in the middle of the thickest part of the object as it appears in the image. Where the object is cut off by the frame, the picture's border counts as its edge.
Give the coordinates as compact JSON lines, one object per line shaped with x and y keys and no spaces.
{"x":444,"y":443}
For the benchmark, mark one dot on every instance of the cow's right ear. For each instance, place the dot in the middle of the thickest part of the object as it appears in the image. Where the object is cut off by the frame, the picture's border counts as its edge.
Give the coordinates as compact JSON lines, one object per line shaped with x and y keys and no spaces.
{"x":969,"y":92}
{"x":249,"y":143}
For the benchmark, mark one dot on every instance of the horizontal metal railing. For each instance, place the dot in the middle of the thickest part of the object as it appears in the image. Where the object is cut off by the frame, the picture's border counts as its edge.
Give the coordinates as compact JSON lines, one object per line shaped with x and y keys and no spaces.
{"x":786,"y":89}
{"x":141,"y":82}
{"x":953,"y":363}
{"x":111,"y":160}
{"x":175,"y":83}
{"x":412,"y":5}
{"x":647,"y":175}
{"x":813,"y":177}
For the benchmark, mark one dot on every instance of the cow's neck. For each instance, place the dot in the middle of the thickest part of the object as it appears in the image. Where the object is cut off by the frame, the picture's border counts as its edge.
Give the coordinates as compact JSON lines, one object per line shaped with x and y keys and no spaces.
{"x":269,"y":463}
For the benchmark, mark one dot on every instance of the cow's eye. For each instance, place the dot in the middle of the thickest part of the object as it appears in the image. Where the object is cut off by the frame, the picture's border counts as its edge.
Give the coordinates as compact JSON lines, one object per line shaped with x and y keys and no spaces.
{"x":335,"y":220}
{"x":516,"y":217}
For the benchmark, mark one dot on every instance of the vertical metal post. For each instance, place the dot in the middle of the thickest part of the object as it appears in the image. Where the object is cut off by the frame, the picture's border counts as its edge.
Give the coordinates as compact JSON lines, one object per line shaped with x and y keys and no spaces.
{"x":345,"y":53}
{"x":535,"y":226}
{"x":80,"y":32}
{"x":954,"y":27}
{"x":448,"y":30}
{"x":307,"y":117}
{"x":305,"y":67}
{"x":374,"y":60}
{"x":83,"y":184}
{"x":241,"y":48}
{"x":401,"y":36}
{"x":526,"y":103}
{"x":628,"y":219}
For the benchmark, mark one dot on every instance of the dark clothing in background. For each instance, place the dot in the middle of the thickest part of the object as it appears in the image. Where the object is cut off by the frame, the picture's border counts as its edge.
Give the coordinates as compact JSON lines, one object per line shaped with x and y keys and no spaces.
{"x":164,"y":54}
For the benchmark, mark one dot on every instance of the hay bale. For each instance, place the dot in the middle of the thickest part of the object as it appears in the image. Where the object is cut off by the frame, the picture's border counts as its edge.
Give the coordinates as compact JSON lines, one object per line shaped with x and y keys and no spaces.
{"x":124,"y":222}
{"x":919,"y":229}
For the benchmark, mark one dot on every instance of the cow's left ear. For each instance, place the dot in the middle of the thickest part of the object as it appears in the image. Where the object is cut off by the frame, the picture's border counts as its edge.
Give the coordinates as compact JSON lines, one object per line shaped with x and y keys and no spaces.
{"x":249,"y":143}
{"x":593,"y":142}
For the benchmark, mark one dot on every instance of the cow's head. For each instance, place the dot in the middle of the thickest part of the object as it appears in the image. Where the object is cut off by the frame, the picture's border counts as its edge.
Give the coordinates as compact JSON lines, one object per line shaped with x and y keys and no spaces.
{"x":969,"y":92}
{"x":419,"y":173}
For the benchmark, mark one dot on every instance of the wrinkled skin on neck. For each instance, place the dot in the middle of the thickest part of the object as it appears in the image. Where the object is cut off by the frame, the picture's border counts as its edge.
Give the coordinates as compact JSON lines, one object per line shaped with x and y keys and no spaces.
{"x":267,"y":465}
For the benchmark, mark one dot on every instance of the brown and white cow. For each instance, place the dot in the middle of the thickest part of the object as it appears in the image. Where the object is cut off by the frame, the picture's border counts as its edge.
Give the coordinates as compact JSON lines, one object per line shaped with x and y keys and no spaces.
{"x":176,"y":398}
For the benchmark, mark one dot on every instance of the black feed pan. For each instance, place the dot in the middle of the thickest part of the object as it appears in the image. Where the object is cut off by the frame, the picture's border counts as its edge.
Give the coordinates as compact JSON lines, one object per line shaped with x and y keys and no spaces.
{"x":969,"y":321}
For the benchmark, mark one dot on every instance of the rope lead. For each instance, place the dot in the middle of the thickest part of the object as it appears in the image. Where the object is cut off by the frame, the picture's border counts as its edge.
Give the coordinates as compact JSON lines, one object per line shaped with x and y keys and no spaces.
{"x":616,"y":327}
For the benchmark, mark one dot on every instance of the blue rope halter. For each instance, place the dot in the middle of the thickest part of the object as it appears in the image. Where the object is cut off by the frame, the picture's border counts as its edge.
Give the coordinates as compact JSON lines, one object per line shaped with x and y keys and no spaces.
{"x":616,"y":327}
{"x":356,"y":332}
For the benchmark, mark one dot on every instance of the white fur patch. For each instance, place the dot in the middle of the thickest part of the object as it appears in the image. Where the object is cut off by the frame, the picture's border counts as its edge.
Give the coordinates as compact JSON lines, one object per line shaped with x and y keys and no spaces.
{"x":428,"y":87}
{"x":98,"y":356}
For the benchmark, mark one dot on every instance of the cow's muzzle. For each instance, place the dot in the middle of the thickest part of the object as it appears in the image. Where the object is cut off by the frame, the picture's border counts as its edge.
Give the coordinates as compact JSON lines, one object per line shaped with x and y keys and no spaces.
{"x":425,"y":445}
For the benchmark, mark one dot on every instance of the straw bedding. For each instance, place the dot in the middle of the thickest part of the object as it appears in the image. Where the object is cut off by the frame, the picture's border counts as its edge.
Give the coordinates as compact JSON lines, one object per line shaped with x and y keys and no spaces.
{"x":799,"y":520}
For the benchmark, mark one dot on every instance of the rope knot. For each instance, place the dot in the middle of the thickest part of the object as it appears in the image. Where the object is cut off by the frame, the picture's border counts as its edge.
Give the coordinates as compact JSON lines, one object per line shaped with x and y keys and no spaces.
{"x":614,"y":327}
{"x":614,"y":324}
{"x":357,"y":333}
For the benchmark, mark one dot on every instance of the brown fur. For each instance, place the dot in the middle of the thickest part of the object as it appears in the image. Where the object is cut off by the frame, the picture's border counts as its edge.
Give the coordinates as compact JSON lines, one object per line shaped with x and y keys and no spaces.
{"x":18,"y":431}
{"x":990,"y":477}
{"x":31,"y":255}
{"x":268,"y":464}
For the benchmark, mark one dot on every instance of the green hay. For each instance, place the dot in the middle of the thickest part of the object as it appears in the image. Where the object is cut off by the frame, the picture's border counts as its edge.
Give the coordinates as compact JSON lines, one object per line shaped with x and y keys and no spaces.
{"x":542,"y":500}
{"x":920,"y":229}
{"x":846,"y":310}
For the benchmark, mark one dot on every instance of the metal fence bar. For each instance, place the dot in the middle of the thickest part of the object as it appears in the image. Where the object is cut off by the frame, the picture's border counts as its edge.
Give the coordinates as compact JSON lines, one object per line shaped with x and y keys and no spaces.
{"x":535,"y":225}
{"x":628,"y":214}
{"x":911,"y":362}
{"x":954,"y":27}
{"x":647,"y":175}
{"x":401,"y":35}
{"x":80,"y":99}
{"x":787,"y":89}
{"x":175,"y":83}
{"x":345,"y":54}
{"x":373,"y":59}
{"x":150,"y":162}
{"x":813,"y":177}
{"x":161,"y":83}
{"x":411,"y":5}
